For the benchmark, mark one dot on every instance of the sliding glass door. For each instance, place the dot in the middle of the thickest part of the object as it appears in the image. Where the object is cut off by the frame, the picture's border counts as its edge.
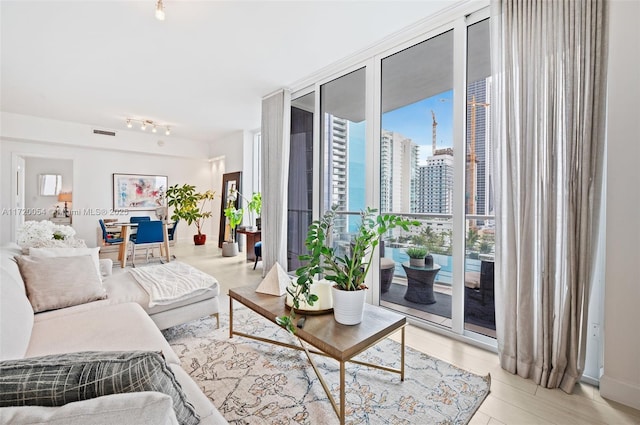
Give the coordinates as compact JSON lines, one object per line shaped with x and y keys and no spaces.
{"x":301,"y":169}
{"x":407,"y":131}
{"x":417,"y":177}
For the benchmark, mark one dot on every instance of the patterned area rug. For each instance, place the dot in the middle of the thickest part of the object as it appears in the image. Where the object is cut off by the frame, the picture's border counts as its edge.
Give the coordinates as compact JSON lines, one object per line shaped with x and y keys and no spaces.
{"x":252,"y":382}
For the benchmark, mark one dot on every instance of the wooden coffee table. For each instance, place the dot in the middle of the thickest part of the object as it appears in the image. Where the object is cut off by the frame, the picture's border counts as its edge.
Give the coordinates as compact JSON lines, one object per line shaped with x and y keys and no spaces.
{"x":328,"y":337}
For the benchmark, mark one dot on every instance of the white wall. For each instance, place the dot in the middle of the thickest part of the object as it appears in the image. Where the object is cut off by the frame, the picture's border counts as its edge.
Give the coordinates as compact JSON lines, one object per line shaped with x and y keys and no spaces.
{"x":621,"y":375}
{"x":228,"y":155}
{"x":93,"y":166}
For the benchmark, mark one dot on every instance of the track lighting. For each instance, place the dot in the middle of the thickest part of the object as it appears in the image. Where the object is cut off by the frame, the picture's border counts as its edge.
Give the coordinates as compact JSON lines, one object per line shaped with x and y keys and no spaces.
{"x":160,"y":11}
{"x":144,"y":123}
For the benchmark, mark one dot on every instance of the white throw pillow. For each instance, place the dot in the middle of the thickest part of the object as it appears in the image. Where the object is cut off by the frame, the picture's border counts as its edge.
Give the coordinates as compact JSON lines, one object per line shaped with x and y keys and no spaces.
{"x":69,"y":252}
{"x":144,"y":408}
{"x":60,"y":282}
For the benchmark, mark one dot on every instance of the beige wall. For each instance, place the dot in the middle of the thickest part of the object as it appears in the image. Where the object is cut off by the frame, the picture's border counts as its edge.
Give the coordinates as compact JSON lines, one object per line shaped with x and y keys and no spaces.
{"x":621,"y":378}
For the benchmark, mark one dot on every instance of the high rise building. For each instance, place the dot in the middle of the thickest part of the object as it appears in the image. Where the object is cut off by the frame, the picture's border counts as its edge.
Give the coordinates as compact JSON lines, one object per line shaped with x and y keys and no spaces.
{"x":478,"y":93}
{"x":398,"y":171}
{"x":434,"y":192}
{"x":336,"y":133}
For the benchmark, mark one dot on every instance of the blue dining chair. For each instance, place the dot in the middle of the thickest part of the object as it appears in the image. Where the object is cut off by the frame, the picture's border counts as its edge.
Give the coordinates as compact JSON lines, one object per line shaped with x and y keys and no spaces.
{"x":109,"y":239}
{"x":171,"y":233}
{"x":150,"y":234}
{"x":135,"y":220}
{"x":138,"y":219}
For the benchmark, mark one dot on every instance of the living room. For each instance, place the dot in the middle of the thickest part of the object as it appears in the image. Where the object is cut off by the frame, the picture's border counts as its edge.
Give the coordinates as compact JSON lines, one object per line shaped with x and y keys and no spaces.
{"x":37,"y":133}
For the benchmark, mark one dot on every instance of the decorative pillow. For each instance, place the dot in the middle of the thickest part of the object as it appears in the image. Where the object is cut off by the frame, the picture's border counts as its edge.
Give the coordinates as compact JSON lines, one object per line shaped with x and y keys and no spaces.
{"x":60,"y":282}
{"x":147,"y":407}
{"x":69,"y":252}
{"x":56,"y":380}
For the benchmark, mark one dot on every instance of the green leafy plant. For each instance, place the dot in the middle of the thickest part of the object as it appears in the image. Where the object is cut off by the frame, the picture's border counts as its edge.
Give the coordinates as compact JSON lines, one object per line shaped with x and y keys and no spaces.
{"x":347,"y":272}
{"x":255,"y":204}
{"x":417,"y":252}
{"x":235,"y":218}
{"x":190,"y":205}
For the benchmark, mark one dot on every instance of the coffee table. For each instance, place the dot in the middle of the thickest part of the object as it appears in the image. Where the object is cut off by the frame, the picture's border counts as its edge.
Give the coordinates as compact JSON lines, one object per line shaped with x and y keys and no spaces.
{"x":325,"y":335}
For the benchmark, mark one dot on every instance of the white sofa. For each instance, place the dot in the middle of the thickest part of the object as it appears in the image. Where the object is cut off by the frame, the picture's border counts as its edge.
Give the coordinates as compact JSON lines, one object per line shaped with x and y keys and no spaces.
{"x":117,"y":323}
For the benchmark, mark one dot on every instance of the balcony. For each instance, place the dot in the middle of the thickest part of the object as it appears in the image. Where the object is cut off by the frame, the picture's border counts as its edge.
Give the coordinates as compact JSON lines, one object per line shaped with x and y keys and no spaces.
{"x":435,"y":233}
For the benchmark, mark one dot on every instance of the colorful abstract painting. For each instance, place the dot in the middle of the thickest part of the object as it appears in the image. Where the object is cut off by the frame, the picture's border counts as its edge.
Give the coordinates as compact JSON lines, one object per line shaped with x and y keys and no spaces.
{"x":138,"y":192}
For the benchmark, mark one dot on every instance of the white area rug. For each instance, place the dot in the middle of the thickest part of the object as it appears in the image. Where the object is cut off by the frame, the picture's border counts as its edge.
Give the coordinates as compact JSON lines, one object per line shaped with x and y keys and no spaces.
{"x":251,"y":382}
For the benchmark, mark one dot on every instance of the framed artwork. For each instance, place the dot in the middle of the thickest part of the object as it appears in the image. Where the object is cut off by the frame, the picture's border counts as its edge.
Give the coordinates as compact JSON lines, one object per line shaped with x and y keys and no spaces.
{"x":230,"y":181}
{"x":138,"y":191}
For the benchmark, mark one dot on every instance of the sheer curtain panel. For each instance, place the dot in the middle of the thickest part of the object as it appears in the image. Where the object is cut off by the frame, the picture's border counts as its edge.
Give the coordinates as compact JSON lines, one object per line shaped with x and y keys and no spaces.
{"x":276,"y":123}
{"x":549,"y":60}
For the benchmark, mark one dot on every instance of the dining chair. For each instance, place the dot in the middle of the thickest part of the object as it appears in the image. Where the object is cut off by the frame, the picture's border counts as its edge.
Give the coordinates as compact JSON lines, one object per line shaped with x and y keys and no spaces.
{"x":139,"y":218}
{"x":171,"y":233}
{"x":135,"y":220}
{"x":150,"y":234}
{"x":109,"y":238}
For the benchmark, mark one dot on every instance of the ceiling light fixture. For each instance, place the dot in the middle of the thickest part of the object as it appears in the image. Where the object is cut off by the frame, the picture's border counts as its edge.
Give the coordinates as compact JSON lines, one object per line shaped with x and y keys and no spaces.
{"x":160,"y":11}
{"x":145,"y":123}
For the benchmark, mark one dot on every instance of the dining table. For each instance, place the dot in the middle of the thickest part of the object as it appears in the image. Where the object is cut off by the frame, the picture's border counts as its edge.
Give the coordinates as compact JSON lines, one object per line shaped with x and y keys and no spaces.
{"x":125,"y":231}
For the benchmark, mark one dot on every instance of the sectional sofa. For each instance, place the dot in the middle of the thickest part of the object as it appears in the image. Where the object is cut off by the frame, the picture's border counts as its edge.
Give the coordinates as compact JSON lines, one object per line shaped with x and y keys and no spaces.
{"x":119,"y":332}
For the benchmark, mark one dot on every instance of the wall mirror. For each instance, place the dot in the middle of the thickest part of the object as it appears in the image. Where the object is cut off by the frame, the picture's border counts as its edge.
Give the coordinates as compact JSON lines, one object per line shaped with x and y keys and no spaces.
{"x":50,"y":184}
{"x":230,"y":181}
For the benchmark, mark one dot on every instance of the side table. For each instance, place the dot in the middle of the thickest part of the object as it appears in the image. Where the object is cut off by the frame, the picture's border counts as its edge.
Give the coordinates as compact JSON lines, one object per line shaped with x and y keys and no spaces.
{"x":420,"y":283}
{"x":252,"y":239}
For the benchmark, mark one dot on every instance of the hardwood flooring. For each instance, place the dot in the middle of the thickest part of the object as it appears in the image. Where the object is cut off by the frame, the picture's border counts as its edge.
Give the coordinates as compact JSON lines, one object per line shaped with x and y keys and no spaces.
{"x":513,"y":400}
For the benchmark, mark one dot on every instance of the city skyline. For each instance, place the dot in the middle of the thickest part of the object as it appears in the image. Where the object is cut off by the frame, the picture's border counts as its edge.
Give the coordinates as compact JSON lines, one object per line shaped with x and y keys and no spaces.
{"x":415,"y":122}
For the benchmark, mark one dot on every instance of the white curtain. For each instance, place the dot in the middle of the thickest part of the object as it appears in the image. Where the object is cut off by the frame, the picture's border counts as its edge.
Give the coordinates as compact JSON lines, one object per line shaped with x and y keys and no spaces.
{"x":276,"y":129}
{"x":549,"y":90}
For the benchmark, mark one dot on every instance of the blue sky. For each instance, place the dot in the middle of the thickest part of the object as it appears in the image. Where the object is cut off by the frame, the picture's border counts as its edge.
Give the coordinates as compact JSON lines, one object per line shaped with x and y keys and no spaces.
{"x":415,"y":122}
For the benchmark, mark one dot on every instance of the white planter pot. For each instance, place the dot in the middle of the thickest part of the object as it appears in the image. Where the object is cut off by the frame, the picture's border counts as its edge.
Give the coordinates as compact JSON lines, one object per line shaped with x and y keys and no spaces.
{"x":416,"y":262}
{"x":348,"y":306}
{"x":229,"y":249}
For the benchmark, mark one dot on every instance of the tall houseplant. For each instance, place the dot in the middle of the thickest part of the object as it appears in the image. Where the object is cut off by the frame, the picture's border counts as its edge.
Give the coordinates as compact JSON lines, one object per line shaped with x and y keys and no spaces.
{"x":190,"y":205}
{"x":347,"y":272}
{"x":230,"y":246}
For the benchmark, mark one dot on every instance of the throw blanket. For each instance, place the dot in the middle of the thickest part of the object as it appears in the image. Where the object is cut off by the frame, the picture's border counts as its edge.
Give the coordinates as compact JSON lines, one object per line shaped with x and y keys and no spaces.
{"x":171,"y":282}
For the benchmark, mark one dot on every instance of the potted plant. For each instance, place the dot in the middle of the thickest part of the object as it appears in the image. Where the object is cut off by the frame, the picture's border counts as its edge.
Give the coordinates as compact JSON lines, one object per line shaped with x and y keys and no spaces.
{"x":230,"y":246}
{"x":255,"y":205}
{"x":189,"y":205}
{"x":417,"y":255}
{"x":347,"y":272}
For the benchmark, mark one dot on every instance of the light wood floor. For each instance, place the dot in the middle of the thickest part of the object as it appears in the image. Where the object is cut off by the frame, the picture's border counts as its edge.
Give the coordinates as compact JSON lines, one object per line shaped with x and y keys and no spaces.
{"x":512,"y":400}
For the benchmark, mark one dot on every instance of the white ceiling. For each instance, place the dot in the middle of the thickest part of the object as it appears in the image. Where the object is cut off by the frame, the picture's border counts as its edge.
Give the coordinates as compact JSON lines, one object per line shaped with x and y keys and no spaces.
{"x":203,"y":70}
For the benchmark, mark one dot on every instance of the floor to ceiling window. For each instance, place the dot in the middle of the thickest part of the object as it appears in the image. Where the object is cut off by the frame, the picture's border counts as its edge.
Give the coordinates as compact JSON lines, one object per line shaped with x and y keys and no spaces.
{"x":479,"y":305}
{"x":300,"y":188}
{"x":431,"y":162}
{"x":343,"y":135}
{"x":417,"y":176}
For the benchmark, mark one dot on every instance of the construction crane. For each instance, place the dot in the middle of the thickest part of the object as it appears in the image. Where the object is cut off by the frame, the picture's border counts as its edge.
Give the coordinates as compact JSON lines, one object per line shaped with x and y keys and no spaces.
{"x":471,"y":158}
{"x":433,"y":133}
